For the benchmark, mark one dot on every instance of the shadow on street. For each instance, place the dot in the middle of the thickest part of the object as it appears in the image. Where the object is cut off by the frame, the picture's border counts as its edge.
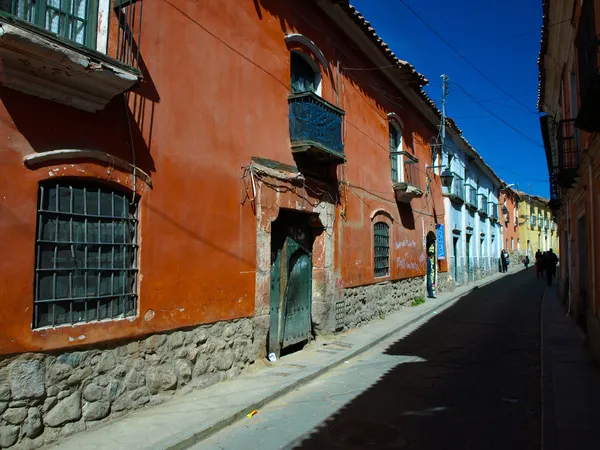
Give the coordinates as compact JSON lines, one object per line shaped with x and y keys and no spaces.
{"x":475,"y":383}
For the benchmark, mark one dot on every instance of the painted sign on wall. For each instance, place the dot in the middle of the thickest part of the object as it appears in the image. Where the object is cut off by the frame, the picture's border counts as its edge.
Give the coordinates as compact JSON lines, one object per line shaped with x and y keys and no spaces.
{"x":441,"y":243}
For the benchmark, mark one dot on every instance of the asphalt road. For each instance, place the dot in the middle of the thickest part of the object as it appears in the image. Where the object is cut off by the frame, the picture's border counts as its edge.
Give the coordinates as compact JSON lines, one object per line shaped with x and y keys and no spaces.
{"x":469,"y":378}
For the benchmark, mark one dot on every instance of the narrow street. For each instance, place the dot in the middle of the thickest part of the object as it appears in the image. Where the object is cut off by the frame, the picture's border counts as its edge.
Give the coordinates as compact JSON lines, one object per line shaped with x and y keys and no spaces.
{"x":467,"y":379}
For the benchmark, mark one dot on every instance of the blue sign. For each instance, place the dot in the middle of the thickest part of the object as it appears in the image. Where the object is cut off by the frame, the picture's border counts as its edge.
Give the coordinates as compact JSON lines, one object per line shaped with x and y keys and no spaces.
{"x":441,"y":241}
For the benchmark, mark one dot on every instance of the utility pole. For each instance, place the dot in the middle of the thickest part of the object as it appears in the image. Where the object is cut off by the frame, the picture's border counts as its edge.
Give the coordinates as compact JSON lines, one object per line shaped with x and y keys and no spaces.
{"x":443,"y":125}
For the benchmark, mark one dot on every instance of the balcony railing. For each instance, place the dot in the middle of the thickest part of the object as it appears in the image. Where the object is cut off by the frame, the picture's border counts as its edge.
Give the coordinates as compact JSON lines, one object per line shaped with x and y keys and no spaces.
{"x":472,"y":197}
{"x":457,"y":190}
{"x":569,"y":152}
{"x":316,"y":126}
{"x":483,"y":205}
{"x":494,"y":211}
{"x":84,"y":24}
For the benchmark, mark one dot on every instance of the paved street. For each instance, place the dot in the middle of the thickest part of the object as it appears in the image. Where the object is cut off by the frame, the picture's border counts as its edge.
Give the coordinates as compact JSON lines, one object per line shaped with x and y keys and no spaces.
{"x":469,"y":378}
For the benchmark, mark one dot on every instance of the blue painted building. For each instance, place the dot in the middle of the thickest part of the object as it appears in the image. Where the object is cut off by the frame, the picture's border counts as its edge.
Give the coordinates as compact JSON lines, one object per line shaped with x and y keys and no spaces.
{"x":472,"y":228}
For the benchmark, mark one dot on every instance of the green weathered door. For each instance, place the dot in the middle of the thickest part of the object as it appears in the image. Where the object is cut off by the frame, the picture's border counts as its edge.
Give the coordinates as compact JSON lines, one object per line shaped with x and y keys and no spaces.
{"x":469,"y":275}
{"x":291,"y":294}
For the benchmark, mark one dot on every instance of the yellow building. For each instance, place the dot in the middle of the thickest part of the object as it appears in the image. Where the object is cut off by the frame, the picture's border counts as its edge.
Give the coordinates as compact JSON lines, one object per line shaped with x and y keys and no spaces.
{"x":537,"y":229}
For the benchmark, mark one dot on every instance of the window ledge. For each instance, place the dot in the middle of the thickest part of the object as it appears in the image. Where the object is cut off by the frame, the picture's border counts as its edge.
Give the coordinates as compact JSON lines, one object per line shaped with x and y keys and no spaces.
{"x":37,"y":63}
{"x":405,"y":192}
{"x":54,"y":156}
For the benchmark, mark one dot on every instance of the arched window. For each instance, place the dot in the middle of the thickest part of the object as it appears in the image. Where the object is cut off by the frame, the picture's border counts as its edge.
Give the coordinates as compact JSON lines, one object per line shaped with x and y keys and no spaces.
{"x":304,"y":73}
{"x":395,"y":152}
{"x":86,"y":254}
{"x":381,"y":242}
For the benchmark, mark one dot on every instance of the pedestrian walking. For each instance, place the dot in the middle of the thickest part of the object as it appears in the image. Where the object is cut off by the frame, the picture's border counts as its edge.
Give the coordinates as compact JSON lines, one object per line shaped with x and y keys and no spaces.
{"x":550,"y":263}
{"x":526,"y":261}
{"x":504,"y":259}
{"x":539,"y":264}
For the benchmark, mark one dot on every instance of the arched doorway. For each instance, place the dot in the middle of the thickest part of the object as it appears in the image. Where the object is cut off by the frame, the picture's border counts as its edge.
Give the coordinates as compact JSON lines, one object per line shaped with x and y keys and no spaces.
{"x":431,"y":266}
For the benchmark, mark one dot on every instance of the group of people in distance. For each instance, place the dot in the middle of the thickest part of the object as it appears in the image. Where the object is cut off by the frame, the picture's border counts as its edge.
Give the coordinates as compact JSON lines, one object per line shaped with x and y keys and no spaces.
{"x":545,"y":262}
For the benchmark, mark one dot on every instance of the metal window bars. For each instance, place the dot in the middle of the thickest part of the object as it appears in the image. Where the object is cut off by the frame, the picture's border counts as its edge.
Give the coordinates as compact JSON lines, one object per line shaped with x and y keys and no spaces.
{"x":129,"y":15}
{"x":381,"y":231}
{"x":86,"y":254}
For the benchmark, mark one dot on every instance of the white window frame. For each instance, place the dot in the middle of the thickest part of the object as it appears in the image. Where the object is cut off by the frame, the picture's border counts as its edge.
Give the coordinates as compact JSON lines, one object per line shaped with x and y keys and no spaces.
{"x":395,"y":122}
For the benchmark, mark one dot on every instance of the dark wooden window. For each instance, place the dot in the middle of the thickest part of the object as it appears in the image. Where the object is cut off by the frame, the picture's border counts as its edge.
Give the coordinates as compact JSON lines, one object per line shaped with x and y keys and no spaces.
{"x":304,"y":78}
{"x":395,"y":148}
{"x":86,"y":254}
{"x":381,"y":232}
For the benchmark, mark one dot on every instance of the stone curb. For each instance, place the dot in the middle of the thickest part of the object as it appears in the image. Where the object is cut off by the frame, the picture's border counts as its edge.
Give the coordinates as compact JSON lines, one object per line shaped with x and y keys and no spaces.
{"x":201,"y":435}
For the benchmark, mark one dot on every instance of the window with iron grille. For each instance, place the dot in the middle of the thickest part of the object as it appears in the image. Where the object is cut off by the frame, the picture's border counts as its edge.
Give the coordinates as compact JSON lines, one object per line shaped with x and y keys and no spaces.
{"x":381,"y":231}
{"x":72,"y":19}
{"x":86,"y":254}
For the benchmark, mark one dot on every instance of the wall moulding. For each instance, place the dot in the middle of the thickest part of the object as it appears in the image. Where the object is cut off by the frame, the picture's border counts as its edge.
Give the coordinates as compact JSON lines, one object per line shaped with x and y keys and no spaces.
{"x":36,"y":160}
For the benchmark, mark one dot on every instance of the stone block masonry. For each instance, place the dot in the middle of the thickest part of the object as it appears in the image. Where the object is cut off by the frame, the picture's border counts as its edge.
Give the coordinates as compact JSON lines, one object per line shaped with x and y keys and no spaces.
{"x":47,"y":396}
{"x":445,"y":283}
{"x":364,"y":303}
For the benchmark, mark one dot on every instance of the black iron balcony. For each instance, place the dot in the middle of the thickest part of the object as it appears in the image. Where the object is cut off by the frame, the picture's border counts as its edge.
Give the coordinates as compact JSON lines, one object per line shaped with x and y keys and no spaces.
{"x":316,"y":128}
{"x":569,"y":153}
{"x":483,"y":206}
{"x":65,"y":52}
{"x":587,"y":60}
{"x":555,"y":199}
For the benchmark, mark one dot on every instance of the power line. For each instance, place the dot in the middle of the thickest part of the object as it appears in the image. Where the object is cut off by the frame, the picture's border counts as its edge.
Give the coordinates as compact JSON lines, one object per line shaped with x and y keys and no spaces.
{"x":496,"y":116}
{"x":540,"y":29}
{"x":465,"y":58}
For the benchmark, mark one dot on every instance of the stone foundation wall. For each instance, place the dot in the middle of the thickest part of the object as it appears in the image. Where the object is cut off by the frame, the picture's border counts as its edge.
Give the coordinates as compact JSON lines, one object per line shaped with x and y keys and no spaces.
{"x":364,"y":303}
{"x":44,"y":396}
{"x":516,"y":259}
{"x":445,"y":282}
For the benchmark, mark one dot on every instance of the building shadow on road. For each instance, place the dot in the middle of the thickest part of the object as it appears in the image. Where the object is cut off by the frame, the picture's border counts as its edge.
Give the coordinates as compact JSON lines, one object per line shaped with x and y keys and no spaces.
{"x":474,"y":381}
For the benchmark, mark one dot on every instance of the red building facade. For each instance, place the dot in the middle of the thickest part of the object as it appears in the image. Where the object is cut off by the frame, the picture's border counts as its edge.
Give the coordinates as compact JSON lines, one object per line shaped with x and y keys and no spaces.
{"x":185,"y":170}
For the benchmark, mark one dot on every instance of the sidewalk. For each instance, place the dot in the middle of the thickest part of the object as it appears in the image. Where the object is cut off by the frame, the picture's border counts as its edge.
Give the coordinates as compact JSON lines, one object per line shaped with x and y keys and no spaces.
{"x":187,"y":419}
{"x":570,"y":382}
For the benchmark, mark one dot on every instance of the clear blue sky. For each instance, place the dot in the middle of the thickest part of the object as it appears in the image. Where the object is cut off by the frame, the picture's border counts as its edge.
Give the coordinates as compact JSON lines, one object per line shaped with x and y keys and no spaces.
{"x":502,"y":39}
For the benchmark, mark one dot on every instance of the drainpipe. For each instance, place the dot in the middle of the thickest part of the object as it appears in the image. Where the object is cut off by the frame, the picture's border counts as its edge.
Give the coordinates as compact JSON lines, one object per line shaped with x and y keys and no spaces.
{"x":593,"y":235}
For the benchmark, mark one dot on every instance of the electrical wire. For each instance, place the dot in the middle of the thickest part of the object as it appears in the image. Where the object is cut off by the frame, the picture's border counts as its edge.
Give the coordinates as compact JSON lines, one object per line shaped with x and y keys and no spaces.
{"x":463,"y":57}
{"x":516,"y":130}
{"x":540,"y":29}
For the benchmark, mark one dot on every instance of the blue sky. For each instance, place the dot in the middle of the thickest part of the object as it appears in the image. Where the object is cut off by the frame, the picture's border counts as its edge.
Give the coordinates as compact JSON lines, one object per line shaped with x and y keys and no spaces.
{"x":502,"y":39}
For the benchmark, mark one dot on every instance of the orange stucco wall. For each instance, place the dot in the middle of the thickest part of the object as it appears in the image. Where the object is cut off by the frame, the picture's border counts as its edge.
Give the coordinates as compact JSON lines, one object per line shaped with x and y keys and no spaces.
{"x":216,"y":81}
{"x":510,"y":232}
